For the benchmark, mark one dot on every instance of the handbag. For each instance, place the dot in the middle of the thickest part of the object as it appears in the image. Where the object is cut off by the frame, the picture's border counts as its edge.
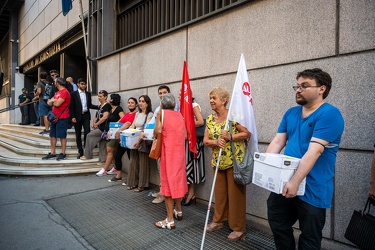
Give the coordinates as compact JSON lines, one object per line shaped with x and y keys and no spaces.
{"x":361,"y":228}
{"x":155,"y":151}
{"x":243,"y":171}
{"x":145,"y":145}
{"x":200,"y":130}
{"x":52,"y":118}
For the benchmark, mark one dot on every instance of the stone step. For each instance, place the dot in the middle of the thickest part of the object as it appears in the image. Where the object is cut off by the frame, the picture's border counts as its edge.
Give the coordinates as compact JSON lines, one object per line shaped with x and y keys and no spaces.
{"x":22,"y":149}
{"x":32,"y":132}
{"x":42,"y":141}
{"x":48,"y":170}
{"x":38,"y":149}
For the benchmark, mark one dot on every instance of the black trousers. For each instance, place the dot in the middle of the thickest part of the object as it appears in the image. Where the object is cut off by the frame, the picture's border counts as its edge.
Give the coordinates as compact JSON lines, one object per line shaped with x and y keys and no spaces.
{"x":25,"y":114}
{"x":120,"y":151}
{"x":85,"y":123}
{"x":283,"y":213}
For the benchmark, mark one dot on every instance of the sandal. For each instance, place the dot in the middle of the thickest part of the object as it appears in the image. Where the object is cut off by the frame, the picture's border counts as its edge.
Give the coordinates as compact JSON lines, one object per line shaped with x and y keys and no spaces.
{"x":140,"y":189}
{"x":131,"y":188}
{"x":167,"y":225}
{"x":233,"y":236}
{"x":177,"y":215}
{"x":213,"y":226}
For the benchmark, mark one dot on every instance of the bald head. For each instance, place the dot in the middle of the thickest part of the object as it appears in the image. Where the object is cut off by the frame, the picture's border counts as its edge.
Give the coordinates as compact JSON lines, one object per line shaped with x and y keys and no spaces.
{"x":69,"y":79}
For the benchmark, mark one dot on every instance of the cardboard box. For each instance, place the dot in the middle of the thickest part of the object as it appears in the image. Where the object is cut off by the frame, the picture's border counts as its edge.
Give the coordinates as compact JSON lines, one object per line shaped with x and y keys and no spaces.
{"x":149,"y":131}
{"x":273,"y":171}
{"x":113,"y":127}
{"x":128,"y":137}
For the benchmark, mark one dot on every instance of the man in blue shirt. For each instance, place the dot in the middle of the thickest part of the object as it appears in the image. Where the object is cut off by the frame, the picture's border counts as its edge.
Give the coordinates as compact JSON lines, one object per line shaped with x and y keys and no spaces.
{"x":311,"y":132}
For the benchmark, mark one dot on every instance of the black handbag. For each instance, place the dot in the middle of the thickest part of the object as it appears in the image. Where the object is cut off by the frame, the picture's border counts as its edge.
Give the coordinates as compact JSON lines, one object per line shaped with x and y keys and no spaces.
{"x":361,"y":228}
{"x":52,"y":118}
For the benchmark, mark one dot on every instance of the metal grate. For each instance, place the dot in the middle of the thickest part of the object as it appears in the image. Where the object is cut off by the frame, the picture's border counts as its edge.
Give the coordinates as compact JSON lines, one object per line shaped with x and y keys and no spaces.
{"x":153,"y":17}
{"x":115,"y":218}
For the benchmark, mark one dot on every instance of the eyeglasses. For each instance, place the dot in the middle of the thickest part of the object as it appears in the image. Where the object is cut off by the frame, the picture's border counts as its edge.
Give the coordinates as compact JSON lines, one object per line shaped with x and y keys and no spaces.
{"x":54,"y":75}
{"x":83,"y":83}
{"x":303,"y":88}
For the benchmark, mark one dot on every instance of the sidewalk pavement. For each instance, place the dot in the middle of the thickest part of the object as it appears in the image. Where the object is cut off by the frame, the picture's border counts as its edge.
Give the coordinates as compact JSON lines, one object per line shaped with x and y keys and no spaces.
{"x":87,"y":212}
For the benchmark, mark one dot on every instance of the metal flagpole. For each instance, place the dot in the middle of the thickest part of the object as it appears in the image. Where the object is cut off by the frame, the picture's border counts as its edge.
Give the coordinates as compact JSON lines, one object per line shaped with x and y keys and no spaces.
{"x":86,"y":49}
{"x":212,"y":192}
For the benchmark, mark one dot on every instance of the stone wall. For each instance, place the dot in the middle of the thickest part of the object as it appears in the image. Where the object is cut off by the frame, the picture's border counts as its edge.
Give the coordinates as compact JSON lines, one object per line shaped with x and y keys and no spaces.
{"x":278,"y":39}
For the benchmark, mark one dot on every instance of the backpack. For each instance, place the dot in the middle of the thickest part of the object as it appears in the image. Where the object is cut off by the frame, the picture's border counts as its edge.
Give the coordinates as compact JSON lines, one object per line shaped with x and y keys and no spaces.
{"x":47,"y":91}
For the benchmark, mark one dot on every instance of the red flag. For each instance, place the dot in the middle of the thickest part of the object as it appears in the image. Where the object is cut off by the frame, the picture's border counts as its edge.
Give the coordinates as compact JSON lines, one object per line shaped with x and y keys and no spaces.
{"x":186,"y":109}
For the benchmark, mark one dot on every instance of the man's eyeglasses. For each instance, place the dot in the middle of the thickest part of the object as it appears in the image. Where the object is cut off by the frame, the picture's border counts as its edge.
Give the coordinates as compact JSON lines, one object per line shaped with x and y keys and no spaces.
{"x":53,"y":75}
{"x":303,"y":88}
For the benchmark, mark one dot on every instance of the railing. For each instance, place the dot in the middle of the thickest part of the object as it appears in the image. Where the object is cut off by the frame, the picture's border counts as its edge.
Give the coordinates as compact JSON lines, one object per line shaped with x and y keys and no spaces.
{"x":15,"y":106}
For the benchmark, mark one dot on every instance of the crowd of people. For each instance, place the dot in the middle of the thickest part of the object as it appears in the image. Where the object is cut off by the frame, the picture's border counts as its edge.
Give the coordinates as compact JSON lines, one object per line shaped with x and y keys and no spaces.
{"x":310,"y":131}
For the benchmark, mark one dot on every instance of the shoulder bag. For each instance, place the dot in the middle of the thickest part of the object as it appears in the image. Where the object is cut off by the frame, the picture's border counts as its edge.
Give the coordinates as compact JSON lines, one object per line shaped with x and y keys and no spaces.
{"x":242,"y":171}
{"x":145,"y":146}
{"x":361,"y":228}
{"x":52,"y":118}
{"x":155,"y":151}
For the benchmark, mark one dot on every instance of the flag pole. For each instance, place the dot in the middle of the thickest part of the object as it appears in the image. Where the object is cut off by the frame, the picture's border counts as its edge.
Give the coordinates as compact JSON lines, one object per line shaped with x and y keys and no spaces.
{"x":212,"y":192}
{"x":86,"y":49}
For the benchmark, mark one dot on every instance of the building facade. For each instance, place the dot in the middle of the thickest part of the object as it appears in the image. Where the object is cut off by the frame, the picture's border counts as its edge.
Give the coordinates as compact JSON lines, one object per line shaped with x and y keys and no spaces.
{"x":134,"y":46}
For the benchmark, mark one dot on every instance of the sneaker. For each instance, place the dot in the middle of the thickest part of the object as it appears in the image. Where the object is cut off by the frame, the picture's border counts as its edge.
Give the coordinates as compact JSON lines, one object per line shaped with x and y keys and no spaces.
{"x":49,"y":157}
{"x":158,"y":199}
{"x":155,"y":194}
{"x":114,"y":179}
{"x":101,"y":172}
{"x":61,"y":156}
{"x":112,"y":171}
{"x":44,"y":132}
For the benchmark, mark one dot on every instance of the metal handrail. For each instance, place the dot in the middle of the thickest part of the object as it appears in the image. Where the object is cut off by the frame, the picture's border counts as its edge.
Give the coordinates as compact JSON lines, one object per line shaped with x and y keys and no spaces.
{"x":16,"y":106}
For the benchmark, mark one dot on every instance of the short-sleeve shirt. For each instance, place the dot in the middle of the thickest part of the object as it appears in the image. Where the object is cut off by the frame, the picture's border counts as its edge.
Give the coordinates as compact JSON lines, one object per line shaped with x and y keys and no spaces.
{"x":128,"y":117}
{"x":140,"y":120}
{"x":226,"y":159}
{"x":23,"y":97}
{"x":325,"y":123}
{"x":114,"y":116}
{"x":62,"y":111}
{"x":99,"y":114}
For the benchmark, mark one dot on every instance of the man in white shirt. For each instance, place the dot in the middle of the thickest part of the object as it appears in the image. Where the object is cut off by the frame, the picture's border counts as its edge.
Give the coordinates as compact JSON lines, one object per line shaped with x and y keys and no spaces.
{"x":80,"y":113}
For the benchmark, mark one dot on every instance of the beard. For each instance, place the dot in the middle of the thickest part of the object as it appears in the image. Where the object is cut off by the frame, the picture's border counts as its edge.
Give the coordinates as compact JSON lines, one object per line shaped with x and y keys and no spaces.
{"x":301,"y":101}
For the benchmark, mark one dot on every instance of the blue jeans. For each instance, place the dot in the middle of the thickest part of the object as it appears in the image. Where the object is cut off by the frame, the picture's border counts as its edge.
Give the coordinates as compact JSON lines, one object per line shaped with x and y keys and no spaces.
{"x":283,"y":213}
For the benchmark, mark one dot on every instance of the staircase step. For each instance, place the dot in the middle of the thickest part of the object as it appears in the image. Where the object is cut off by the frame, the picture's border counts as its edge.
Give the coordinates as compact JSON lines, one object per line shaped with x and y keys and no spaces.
{"x":32,"y":132}
{"x":41,"y":150}
{"x":22,"y":149}
{"x":50,"y":170}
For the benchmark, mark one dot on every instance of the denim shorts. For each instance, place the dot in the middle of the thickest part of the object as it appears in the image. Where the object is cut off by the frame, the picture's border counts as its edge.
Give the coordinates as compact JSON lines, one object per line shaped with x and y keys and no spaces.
{"x":44,"y":108}
{"x":59,"y":130}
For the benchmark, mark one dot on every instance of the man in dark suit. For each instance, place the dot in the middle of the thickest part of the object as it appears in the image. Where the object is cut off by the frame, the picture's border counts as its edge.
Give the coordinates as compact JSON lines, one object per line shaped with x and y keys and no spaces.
{"x":80,"y":113}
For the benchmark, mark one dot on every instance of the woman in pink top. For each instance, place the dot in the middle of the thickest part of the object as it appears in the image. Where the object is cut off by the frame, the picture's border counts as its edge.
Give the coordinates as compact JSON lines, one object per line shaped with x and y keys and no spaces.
{"x":172,"y":160}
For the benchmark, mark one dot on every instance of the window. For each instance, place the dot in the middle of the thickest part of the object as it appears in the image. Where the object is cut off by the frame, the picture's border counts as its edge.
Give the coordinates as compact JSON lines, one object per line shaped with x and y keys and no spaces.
{"x":154,"y":17}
